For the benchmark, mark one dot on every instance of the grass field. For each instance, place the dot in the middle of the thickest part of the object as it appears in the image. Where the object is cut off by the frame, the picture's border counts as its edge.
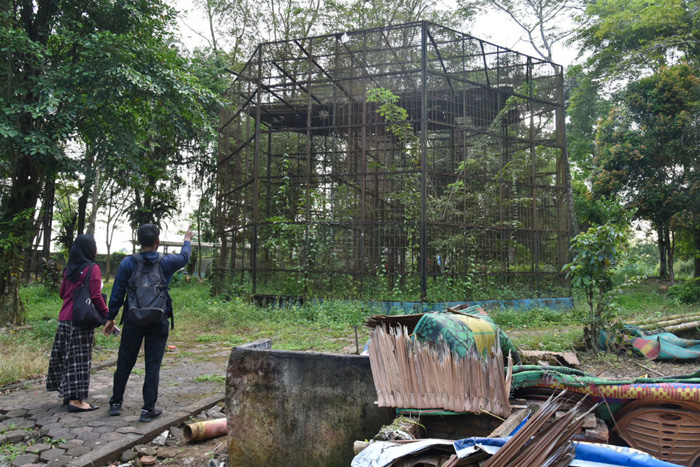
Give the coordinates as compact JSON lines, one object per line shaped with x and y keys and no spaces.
{"x":329,"y":327}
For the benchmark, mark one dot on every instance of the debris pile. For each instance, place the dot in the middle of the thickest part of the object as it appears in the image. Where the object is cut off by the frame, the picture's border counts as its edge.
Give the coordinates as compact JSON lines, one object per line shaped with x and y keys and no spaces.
{"x":448,"y":367}
{"x":169,"y":446}
{"x":536,"y":444}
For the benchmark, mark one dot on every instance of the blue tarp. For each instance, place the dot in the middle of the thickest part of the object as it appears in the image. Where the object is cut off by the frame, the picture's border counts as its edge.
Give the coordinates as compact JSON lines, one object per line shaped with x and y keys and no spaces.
{"x":661,"y":346}
{"x":587,"y":454}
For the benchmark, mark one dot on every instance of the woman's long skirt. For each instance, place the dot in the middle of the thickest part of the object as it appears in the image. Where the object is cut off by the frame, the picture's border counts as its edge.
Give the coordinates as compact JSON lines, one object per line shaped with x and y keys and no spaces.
{"x":71,"y":359}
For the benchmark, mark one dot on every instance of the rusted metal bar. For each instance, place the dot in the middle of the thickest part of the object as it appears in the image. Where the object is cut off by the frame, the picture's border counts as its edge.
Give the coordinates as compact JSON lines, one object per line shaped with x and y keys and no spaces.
{"x":200,"y":431}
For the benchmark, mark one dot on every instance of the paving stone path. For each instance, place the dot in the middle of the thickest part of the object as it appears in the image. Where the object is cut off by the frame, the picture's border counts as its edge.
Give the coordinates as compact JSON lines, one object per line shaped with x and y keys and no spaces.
{"x":33,"y":420}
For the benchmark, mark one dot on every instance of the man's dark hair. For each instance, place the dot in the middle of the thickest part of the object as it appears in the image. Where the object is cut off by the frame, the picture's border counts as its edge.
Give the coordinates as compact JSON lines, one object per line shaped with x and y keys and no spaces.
{"x":148,"y":235}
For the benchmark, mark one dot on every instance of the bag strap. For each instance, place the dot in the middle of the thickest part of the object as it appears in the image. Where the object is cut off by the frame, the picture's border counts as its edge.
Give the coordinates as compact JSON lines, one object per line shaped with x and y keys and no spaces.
{"x":160,"y":270}
{"x":130,"y":286}
{"x":165,"y":286}
{"x":86,"y":282}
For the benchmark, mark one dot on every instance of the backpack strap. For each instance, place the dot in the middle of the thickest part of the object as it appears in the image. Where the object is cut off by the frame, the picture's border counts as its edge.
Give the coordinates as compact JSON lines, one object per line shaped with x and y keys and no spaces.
{"x":138,"y":258}
{"x":163,"y":281}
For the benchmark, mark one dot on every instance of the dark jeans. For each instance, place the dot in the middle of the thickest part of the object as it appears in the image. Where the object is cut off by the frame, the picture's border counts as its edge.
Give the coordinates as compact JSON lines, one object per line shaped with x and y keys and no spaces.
{"x":155,"y":338}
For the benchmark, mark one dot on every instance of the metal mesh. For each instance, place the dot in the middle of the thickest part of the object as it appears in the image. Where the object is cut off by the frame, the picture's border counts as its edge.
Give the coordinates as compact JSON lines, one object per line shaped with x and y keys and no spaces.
{"x":319,"y":195}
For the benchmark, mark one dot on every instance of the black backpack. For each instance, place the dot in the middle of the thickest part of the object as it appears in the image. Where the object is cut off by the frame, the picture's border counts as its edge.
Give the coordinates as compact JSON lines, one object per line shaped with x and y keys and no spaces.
{"x":147,"y":293}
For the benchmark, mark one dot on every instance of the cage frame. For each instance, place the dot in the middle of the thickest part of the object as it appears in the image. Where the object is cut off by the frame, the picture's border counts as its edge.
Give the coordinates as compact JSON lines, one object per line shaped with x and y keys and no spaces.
{"x":265,"y":96}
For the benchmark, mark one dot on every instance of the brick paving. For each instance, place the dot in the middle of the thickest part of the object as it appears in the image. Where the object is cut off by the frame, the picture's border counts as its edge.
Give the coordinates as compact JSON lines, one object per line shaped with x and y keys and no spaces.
{"x":33,"y":420}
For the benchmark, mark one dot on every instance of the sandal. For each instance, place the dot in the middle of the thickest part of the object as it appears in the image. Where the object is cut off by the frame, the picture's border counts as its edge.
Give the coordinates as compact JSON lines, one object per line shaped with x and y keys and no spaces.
{"x":73,"y":409}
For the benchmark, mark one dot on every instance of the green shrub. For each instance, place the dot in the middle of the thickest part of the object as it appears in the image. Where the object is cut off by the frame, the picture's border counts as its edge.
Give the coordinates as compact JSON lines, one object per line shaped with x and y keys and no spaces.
{"x":115,"y":260}
{"x":688,"y":292}
{"x":534,"y":317}
{"x":684,"y":268}
{"x":51,"y":274}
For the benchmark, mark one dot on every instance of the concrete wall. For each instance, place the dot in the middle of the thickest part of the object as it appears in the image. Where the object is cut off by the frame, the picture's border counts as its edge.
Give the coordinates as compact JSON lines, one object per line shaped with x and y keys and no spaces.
{"x":299,"y":408}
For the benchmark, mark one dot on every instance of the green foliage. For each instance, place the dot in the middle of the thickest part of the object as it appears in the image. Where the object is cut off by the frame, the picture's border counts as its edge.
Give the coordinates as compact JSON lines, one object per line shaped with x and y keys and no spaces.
{"x":592,"y":210}
{"x":555,"y":340}
{"x":103,"y":78}
{"x":586,"y":106}
{"x":685,"y":268}
{"x":688,"y":292}
{"x":10,"y":451}
{"x":116,"y":258}
{"x":596,"y":256}
{"x":210,"y":379}
{"x":397,"y":121}
{"x":532,"y":318}
{"x":339,"y":15}
{"x":51,"y":274}
{"x":646,"y":154}
{"x":207,"y":338}
{"x":625,"y":37}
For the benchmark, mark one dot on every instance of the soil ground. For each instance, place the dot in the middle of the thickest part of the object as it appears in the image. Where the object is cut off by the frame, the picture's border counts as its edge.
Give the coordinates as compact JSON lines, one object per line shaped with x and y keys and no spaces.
{"x":207,"y":453}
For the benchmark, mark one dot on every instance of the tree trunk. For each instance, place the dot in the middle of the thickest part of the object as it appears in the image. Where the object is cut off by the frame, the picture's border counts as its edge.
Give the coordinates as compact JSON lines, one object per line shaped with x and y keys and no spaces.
{"x":28,"y":171}
{"x":696,"y":272}
{"x":16,"y":235}
{"x":82,"y":209}
{"x":108,"y":266}
{"x":661,"y":241}
{"x":95,"y":202}
{"x":49,"y":198}
{"x":671,"y":246}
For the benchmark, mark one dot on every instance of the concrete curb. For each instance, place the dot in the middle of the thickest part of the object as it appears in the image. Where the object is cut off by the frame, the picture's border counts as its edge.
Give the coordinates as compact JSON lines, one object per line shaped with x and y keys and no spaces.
{"x":112,"y":451}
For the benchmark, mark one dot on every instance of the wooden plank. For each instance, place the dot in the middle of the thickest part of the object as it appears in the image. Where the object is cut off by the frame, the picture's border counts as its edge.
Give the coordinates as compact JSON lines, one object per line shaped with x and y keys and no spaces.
{"x":569,"y":358}
{"x":511,"y":423}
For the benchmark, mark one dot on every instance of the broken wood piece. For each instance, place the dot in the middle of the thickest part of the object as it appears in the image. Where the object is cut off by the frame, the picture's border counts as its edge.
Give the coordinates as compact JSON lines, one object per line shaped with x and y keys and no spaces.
{"x":589,"y":421}
{"x":511,"y":423}
{"x":359,"y":446}
{"x":669,"y":322}
{"x":561,"y":358}
{"x":682,"y":327}
{"x":659,"y":319}
{"x":649,"y":369}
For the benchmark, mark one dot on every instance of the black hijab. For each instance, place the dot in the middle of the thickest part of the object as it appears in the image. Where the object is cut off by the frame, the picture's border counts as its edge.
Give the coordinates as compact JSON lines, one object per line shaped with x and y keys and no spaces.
{"x":81,"y":255}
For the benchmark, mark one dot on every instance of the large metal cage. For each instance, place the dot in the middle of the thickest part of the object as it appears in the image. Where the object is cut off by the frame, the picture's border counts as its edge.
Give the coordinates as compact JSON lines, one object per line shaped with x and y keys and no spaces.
{"x":410,"y":162}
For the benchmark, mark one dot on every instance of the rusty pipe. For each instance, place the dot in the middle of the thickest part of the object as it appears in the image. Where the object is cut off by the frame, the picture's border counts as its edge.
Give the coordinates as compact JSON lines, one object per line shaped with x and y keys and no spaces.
{"x":204,"y":430}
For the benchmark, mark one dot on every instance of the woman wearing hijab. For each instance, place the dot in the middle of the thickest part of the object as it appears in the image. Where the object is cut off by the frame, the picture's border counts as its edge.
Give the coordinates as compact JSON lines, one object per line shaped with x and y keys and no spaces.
{"x":71,"y":355}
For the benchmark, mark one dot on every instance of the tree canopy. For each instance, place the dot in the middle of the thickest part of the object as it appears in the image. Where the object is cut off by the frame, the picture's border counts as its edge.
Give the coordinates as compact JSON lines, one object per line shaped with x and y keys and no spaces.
{"x":90,"y":86}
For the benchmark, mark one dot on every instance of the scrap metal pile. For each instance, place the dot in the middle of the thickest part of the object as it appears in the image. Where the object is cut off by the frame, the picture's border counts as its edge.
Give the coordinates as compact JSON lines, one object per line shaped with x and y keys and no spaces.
{"x":456,"y":367}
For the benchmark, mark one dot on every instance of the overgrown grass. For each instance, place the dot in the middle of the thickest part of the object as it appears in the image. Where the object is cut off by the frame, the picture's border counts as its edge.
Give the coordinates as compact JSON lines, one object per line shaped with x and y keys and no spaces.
{"x":325,"y":327}
{"x":534,"y":317}
{"x":329,"y":327}
{"x":551,"y":339}
{"x":26,"y":350}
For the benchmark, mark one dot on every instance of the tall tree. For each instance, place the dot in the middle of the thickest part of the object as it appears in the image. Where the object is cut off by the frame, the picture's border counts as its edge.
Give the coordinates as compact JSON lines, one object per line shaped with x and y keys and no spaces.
{"x":648,"y":150}
{"x":625,"y":38}
{"x":544,"y":24}
{"x":344,"y":15}
{"x":114,"y":205}
{"x":78,"y":71}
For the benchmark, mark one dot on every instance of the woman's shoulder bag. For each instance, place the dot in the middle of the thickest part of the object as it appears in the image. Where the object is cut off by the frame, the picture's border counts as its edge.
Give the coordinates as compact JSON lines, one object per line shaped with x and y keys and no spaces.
{"x":85,"y":315}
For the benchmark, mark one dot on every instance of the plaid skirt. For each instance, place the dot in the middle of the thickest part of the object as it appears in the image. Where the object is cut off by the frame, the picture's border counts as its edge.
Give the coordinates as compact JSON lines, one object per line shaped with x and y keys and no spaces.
{"x":71,"y":359}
